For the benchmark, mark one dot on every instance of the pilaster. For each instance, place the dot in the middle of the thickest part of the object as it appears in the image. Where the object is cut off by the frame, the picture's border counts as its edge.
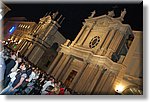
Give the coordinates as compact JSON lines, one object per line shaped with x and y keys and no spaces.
{"x":56,"y":60}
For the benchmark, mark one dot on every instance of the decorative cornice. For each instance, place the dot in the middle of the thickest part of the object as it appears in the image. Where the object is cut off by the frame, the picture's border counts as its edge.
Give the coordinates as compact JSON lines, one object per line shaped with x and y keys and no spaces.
{"x":91,"y":57}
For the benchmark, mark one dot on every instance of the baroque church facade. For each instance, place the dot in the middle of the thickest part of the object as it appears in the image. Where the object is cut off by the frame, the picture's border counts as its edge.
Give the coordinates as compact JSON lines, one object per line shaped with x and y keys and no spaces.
{"x":104,"y":58}
{"x":37,"y":43}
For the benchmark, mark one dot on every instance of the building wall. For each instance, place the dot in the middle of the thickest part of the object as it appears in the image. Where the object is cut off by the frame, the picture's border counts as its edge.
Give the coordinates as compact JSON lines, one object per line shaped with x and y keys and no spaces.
{"x":37,"y":43}
{"x":21,"y":28}
{"x":134,"y":58}
{"x":133,"y":78}
{"x":98,"y":59}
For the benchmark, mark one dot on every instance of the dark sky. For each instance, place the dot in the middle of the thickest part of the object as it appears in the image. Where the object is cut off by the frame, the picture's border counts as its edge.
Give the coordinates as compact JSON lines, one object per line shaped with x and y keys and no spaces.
{"x":76,"y":13}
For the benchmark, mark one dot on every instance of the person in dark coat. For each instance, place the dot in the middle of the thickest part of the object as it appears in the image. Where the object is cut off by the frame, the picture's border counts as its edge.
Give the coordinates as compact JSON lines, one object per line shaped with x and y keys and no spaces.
{"x":14,"y":85}
{"x":9,"y":66}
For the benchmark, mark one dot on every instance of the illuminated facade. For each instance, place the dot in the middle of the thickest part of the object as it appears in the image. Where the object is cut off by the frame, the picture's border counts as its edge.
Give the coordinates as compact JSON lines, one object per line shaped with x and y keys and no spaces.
{"x":11,"y":26}
{"x":104,"y":58}
{"x":37,"y":43}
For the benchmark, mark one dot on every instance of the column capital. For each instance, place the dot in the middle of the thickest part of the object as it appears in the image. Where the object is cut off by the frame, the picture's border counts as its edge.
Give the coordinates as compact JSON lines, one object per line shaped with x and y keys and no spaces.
{"x":109,"y":53}
{"x":67,"y":43}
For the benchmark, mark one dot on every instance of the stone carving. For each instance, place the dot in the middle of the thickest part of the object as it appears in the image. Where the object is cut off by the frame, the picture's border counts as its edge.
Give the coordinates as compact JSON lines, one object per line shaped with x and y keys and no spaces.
{"x":123,"y":13}
{"x":92,"y":14}
{"x":121,"y":18}
{"x":62,"y":20}
{"x":103,"y":22}
{"x":54,"y":15}
{"x":59,"y":18}
{"x":111,"y":13}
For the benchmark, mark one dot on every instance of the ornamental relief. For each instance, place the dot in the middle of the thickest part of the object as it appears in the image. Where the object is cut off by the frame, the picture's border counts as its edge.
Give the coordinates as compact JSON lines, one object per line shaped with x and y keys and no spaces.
{"x":101,"y":24}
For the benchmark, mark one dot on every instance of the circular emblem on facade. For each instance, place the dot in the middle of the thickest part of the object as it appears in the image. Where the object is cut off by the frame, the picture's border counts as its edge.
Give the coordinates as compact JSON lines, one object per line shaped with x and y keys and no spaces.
{"x":94,"y":42}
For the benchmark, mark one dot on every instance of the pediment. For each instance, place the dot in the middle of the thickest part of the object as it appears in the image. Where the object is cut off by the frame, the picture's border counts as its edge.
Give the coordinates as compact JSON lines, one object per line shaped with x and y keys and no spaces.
{"x":107,"y":21}
{"x":104,"y":20}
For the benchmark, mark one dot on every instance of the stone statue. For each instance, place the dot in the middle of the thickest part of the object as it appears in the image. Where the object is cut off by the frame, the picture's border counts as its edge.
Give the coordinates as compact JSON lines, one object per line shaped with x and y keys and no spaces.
{"x":59,"y":18}
{"x":46,"y":14}
{"x":123,"y":13}
{"x":62,"y":20}
{"x":49,"y":13}
{"x":92,"y":14}
{"x":54,"y":15}
{"x":111,"y":13}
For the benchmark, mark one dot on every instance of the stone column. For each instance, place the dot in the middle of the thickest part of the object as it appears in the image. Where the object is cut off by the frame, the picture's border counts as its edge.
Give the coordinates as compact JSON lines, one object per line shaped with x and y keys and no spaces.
{"x":101,"y":79}
{"x":79,"y":35}
{"x":84,"y":77}
{"x":58,"y":65}
{"x":38,"y":55}
{"x":52,"y":27}
{"x":101,"y":51}
{"x":67,"y":43}
{"x":29,"y":50}
{"x":21,"y":44}
{"x":84,"y":36}
{"x":75,"y":81}
{"x":109,"y":53}
{"x":56,"y":60}
{"x":114,"y":44}
{"x":33,"y":54}
{"x":116,"y":41}
{"x":62,"y":66}
{"x":107,"y":41}
{"x":90,"y":79}
{"x":30,"y":45}
{"x":37,"y":28}
{"x":25,"y":48}
{"x":108,"y":86}
{"x":66,"y":68}
{"x":21,"y":50}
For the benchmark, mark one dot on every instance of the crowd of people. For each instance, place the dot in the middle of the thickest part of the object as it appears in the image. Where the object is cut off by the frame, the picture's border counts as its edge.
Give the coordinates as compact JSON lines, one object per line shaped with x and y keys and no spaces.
{"x":19,"y":77}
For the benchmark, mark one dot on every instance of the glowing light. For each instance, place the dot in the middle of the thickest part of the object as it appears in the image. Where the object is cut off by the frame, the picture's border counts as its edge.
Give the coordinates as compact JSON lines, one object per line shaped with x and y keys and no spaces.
{"x":12,"y":29}
{"x":119,"y":88}
{"x":19,"y":41}
{"x":3,"y":42}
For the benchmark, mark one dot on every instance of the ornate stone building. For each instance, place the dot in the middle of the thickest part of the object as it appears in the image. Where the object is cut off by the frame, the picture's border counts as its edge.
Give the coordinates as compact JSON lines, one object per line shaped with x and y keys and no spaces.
{"x":104,"y":58}
{"x":37,"y":43}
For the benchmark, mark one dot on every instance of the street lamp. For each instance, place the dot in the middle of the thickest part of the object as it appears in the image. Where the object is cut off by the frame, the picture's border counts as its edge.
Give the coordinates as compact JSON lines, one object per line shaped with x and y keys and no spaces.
{"x":119,"y":88}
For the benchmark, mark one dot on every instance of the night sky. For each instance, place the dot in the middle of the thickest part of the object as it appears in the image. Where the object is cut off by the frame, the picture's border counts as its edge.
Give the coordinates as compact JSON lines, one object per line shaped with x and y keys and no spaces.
{"x":76,"y":13}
